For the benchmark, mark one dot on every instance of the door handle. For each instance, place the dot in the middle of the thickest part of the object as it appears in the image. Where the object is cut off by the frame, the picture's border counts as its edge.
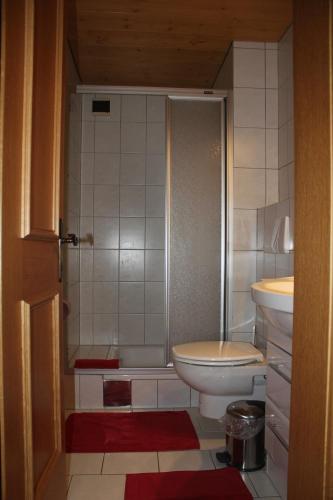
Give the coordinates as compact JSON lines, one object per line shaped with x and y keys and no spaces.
{"x":70,"y":238}
{"x":64,"y":239}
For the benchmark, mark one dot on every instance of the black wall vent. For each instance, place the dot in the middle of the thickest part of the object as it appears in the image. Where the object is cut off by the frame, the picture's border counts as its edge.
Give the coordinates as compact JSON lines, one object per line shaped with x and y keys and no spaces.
{"x":101,"y":106}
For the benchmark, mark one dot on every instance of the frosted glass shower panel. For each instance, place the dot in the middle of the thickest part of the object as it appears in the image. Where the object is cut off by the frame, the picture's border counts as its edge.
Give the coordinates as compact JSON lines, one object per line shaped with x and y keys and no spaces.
{"x":194,"y":287}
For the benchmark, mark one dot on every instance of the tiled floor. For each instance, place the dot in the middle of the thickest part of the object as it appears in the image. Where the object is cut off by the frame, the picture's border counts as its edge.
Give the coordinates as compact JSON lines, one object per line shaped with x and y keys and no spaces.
{"x":102,"y":476}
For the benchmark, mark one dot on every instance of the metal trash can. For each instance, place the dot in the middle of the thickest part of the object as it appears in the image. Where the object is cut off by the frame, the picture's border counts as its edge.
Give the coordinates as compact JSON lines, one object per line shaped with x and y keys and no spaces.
{"x":245,"y":435}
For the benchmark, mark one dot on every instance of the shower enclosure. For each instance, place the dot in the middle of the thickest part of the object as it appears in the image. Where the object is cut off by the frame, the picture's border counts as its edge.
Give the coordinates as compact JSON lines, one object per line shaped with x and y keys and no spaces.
{"x":148,"y":175}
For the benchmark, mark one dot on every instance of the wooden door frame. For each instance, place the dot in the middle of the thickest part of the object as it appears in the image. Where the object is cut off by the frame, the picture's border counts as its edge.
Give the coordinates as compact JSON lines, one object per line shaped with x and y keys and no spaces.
{"x":310,"y":452}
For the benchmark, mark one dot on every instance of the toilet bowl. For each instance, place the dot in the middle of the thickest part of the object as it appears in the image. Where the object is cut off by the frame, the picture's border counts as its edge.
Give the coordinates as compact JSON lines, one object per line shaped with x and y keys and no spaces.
{"x":221,"y":372}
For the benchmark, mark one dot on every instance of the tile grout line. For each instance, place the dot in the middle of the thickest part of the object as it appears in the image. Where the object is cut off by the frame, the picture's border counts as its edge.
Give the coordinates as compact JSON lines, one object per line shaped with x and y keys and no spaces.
{"x":102,"y":465}
{"x":158,"y":461}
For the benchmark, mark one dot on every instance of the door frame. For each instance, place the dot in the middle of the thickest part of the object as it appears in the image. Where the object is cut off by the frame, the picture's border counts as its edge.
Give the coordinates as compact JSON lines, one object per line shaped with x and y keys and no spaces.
{"x":311,"y":425}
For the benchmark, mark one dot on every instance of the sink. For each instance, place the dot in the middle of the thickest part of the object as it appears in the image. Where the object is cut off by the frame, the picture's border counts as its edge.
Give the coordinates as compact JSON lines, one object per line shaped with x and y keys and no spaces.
{"x":275,"y":297}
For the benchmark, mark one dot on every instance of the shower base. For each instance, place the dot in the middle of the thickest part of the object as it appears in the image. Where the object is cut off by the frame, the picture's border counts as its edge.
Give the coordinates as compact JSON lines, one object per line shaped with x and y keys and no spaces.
{"x":129,"y":356}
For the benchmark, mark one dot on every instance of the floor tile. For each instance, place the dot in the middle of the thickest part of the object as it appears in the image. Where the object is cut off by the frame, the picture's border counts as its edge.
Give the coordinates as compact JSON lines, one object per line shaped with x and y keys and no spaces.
{"x":210,"y":425}
{"x":130,"y":463}
{"x":217,"y":464}
{"x":249,"y":485}
{"x":184,"y":460}
{"x":141,"y":410}
{"x":211,"y":443}
{"x":99,"y":410}
{"x":84,"y":463}
{"x":68,"y":481}
{"x":97,"y":487}
{"x":262,"y":484}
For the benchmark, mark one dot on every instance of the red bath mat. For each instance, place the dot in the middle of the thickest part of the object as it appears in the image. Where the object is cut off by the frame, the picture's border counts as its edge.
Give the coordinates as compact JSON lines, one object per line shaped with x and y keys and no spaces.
{"x":222,"y":484}
{"x":97,"y":363}
{"x":136,"y":431}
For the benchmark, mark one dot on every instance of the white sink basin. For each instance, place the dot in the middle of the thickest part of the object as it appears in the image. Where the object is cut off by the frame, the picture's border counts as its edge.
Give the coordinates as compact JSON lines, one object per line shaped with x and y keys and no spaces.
{"x":276,"y":299}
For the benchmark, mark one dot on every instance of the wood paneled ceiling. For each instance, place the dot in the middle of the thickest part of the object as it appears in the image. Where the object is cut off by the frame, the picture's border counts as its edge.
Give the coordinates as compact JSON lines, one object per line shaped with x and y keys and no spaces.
{"x":173,"y":43}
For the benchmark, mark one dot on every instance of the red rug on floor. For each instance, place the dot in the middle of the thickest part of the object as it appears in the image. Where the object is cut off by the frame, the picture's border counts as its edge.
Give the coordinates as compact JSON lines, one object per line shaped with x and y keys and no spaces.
{"x":222,"y":484}
{"x":136,"y":431}
{"x":97,"y":363}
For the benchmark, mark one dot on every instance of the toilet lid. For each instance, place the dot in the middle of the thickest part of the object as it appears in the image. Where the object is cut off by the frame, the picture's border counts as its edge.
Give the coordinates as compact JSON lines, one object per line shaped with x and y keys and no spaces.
{"x":218,"y":352}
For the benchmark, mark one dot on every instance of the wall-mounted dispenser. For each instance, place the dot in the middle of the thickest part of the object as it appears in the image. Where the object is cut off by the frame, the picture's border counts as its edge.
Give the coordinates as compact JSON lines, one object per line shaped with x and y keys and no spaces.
{"x":281,"y":240}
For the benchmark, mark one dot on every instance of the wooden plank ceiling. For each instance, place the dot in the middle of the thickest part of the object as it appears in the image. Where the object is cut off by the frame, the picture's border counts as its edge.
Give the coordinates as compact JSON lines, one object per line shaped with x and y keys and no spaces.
{"x":173,"y":43}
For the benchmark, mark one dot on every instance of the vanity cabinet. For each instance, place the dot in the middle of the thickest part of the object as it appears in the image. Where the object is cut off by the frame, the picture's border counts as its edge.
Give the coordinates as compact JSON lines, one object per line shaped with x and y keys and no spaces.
{"x":279,"y":357}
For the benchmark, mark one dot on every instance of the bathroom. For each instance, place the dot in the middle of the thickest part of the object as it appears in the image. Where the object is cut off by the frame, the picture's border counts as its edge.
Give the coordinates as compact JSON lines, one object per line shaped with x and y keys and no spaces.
{"x":138,"y":186}
{"x":179,"y":196}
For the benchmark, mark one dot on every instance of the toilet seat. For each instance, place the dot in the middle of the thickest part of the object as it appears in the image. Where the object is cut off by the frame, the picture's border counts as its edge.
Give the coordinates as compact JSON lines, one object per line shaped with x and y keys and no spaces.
{"x":217,"y":353}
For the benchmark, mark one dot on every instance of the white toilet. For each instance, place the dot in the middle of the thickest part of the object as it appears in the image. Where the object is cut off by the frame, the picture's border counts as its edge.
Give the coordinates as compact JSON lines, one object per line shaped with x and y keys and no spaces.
{"x":221,"y":371}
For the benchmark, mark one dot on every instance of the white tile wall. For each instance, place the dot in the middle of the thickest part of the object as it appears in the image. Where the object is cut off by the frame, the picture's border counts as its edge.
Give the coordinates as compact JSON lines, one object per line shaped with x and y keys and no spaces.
{"x":132,"y":201}
{"x":132,"y":329}
{"x":156,"y":138}
{"x":272,"y":179}
{"x":254,"y":70}
{"x":133,"y":137}
{"x":86,"y":200}
{"x":173,"y":393}
{"x":249,"y":188}
{"x":271,"y":108}
{"x":122,"y":222}
{"x":86,"y":265}
{"x":155,"y":108}
{"x":91,"y":391}
{"x":244,"y":230}
{"x":155,"y":329}
{"x":243,"y":313}
{"x":133,"y":108}
{"x":131,"y":298}
{"x":144,"y":393}
{"x":132,"y":233}
{"x":244,"y":270}
{"x":272,"y":69}
{"x":105,"y":329}
{"x":249,"y":68}
{"x":105,"y":265}
{"x":87,"y":168}
{"x":132,"y":265}
{"x":169,"y":392}
{"x":249,"y":107}
{"x":106,"y":201}
{"x":155,"y":170}
{"x":249,"y":147}
{"x":106,"y":232}
{"x":107,"y":137}
{"x":88,"y":130}
{"x":272,"y":144}
{"x":272,"y":265}
{"x":106,"y":168}
{"x":133,"y":169}
{"x":105,"y":298}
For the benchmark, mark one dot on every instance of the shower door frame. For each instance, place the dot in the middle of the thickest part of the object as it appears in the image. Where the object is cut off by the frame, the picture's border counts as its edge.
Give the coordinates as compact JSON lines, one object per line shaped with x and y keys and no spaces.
{"x":226,"y":207}
{"x":225,"y":98}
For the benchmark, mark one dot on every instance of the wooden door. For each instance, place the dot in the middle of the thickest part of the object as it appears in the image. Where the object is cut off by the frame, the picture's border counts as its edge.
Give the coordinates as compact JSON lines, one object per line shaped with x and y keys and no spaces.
{"x":32,"y":458}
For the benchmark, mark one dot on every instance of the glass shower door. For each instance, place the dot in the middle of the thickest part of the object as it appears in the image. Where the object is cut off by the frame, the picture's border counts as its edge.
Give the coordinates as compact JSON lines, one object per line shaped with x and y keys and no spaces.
{"x":195,"y":221}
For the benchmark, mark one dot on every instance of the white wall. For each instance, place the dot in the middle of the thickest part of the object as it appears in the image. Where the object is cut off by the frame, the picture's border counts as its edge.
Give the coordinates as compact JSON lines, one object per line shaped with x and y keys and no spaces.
{"x":270,"y":265}
{"x":122,"y":226}
{"x":250,"y":70}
